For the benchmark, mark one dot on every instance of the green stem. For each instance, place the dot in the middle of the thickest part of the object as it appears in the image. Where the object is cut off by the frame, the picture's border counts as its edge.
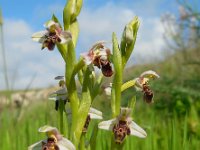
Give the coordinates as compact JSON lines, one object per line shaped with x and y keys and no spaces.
{"x":84,"y":107}
{"x":78,"y":67}
{"x":61,"y":108}
{"x":131,"y":103}
{"x":66,"y":124}
{"x":127,"y":85}
{"x":117,"y":81}
{"x":71,"y":87}
{"x":82,"y":142}
{"x":63,"y":51}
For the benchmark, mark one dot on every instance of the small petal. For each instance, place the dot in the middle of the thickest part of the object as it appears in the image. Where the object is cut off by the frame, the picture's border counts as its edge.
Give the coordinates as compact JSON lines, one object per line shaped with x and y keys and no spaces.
{"x":65,"y":37}
{"x":65,"y":144}
{"x":149,"y":74}
{"x":49,"y":23}
{"x":39,"y":36}
{"x":47,"y":128}
{"x":98,"y":44}
{"x":95,"y":116}
{"x":36,"y":146}
{"x":107,"y":125}
{"x":103,"y":54}
{"x":137,"y":130}
{"x":87,"y":57}
{"x":95,"y":111}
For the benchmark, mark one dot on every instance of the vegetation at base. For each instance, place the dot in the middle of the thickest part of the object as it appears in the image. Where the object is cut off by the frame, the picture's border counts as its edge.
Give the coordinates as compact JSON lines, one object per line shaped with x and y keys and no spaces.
{"x":172,"y":122}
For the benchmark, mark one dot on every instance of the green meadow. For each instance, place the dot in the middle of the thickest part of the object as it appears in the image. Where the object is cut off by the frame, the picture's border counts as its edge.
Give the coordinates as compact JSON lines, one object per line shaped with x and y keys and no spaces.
{"x":171,"y":122}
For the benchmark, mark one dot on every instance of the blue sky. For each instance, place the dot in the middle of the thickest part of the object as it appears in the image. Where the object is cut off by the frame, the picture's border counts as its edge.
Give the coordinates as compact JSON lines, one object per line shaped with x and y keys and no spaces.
{"x":98,"y":19}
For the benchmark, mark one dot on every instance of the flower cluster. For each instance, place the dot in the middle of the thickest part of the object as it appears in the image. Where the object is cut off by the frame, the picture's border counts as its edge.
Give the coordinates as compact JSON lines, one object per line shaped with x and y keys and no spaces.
{"x":80,"y":76}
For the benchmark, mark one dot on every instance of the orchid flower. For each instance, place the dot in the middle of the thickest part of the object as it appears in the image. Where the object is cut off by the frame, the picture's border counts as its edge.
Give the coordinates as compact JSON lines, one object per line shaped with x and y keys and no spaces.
{"x":98,"y":55}
{"x":52,"y":35}
{"x":122,"y":126}
{"x":142,"y":84}
{"x":54,"y":141}
{"x":60,"y":94}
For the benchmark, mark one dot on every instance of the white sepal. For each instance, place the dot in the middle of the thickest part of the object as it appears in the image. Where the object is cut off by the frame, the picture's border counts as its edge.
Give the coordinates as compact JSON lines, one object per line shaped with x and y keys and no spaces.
{"x":36,"y":146}
{"x":95,"y":116}
{"x":95,"y":111}
{"x":39,"y":36}
{"x":107,"y":125}
{"x":136,"y":130}
{"x":65,"y":37}
{"x":65,"y":144}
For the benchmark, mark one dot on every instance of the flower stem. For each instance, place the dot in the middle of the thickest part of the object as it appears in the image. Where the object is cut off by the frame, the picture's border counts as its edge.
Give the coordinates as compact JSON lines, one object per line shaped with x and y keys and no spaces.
{"x":61,"y":108}
{"x":82,"y":142}
{"x":127,"y":85}
{"x":117,"y":81}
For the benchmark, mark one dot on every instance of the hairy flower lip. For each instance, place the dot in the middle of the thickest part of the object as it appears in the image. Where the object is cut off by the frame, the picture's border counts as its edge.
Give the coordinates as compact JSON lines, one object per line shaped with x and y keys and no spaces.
{"x":124,"y":116}
{"x":54,"y":138}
